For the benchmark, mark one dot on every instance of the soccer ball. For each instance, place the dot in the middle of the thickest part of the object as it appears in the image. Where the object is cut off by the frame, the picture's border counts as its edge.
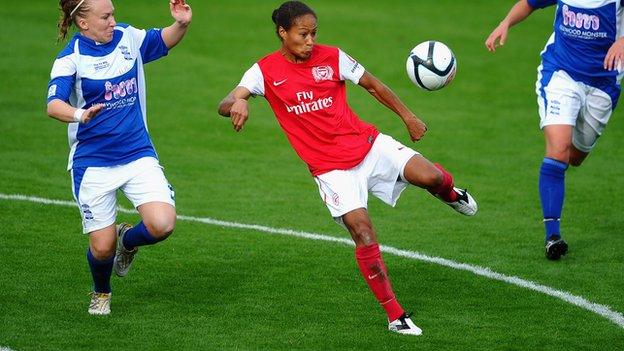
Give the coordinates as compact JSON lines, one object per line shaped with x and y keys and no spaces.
{"x":431,"y":65}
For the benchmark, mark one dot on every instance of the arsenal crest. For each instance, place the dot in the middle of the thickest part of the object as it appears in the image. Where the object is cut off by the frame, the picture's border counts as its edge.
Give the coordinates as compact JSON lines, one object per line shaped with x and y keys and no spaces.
{"x":321,"y":73}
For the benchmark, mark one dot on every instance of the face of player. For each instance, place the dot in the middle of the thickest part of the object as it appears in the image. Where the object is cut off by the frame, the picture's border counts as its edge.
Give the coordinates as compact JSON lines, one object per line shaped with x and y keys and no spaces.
{"x":99,"y":23}
{"x":298,"y":41}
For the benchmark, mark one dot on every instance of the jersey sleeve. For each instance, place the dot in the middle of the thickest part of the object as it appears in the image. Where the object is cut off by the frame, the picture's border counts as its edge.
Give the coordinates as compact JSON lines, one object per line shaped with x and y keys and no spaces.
{"x":349,"y":68}
{"x":62,"y":79}
{"x":540,"y":4}
{"x":150,"y":42}
{"x":253,"y":80}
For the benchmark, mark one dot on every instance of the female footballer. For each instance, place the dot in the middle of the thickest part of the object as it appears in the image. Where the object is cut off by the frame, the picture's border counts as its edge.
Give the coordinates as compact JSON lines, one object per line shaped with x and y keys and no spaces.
{"x":578,"y":86}
{"x":304,"y":84}
{"x":97,"y":86}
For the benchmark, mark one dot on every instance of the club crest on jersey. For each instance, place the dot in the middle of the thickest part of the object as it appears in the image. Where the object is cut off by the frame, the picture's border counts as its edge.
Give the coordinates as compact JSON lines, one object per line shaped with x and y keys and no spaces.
{"x":321,"y":73}
{"x":124,"y":50}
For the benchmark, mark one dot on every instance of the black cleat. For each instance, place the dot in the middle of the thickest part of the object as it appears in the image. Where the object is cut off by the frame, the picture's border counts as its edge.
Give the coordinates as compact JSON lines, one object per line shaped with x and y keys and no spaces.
{"x":555,"y":248}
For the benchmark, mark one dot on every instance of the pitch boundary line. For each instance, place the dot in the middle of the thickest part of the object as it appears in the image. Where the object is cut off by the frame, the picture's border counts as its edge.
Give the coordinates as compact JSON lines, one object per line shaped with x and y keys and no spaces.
{"x":579,"y":301}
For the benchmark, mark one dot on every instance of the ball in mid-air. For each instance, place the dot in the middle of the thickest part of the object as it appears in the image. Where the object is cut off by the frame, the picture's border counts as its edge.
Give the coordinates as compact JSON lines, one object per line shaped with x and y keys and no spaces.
{"x":431,"y":65}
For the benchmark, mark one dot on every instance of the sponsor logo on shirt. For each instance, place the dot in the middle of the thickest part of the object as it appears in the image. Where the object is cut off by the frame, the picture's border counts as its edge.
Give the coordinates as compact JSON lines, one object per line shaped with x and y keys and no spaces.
{"x":120,"y":95}
{"x":580,"y":25}
{"x":308,"y":103}
{"x":321,"y":73}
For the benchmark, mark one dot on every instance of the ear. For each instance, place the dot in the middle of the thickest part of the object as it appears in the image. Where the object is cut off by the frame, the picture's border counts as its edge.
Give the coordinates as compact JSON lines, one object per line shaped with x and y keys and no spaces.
{"x":282,"y":32}
{"x":82,"y":23}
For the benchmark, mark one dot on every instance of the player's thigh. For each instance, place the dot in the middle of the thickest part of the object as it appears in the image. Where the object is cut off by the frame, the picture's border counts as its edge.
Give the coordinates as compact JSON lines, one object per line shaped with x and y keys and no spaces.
{"x":386,"y":174}
{"x":147,"y":183}
{"x":559,"y":99}
{"x":95,"y":190}
{"x":593,"y":119}
{"x":342,"y":191}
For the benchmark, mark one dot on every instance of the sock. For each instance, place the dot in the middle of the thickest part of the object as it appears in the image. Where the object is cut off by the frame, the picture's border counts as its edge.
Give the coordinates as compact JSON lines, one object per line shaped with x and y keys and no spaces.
{"x":101,"y":272}
{"x":139,"y":236}
{"x":552,"y":189}
{"x":445,"y":190}
{"x":375,"y":274}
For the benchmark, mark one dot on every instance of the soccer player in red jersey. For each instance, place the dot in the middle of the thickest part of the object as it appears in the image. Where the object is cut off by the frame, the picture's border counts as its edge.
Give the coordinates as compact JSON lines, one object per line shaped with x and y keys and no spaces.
{"x":304,"y":84}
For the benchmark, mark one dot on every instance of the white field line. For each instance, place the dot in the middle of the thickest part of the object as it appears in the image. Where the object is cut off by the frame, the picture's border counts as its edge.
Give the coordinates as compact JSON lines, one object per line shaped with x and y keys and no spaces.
{"x":601,"y":310}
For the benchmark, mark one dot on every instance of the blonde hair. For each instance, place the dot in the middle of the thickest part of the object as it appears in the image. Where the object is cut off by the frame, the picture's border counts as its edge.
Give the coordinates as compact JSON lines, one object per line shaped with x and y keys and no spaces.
{"x":70,"y":9}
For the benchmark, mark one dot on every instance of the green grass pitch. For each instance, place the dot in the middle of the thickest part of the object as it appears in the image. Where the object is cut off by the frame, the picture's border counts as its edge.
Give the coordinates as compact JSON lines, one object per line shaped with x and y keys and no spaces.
{"x":218,"y":288}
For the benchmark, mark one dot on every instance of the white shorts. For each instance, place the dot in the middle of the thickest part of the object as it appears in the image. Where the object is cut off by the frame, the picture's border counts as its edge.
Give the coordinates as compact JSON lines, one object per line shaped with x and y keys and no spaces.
{"x":95,"y":189}
{"x":564,"y":100}
{"x":381,"y":172}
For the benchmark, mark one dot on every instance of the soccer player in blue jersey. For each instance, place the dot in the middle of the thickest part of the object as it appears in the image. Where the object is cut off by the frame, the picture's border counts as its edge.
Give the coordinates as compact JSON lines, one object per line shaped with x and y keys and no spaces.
{"x":97,"y":86}
{"x":578,"y":86}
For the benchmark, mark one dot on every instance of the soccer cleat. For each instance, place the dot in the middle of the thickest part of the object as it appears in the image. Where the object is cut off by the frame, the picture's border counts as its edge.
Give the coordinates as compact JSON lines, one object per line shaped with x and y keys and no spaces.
{"x":555,"y":248}
{"x":464,"y":204}
{"x":123,"y":257}
{"x":100,"y":304}
{"x":404,"y":325}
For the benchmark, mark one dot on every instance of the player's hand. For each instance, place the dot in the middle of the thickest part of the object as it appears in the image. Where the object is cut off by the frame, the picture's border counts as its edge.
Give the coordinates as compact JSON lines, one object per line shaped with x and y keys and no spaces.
{"x":91,"y":112}
{"x":239,"y":113}
{"x":181,"y":12}
{"x":615,"y":56}
{"x":497,"y":37}
{"x":416,"y":128}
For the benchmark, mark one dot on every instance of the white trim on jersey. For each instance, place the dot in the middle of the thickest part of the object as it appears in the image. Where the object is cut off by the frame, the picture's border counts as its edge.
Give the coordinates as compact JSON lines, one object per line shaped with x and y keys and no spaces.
{"x":590,"y":4}
{"x":349,"y":68}
{"x":253,"y":80}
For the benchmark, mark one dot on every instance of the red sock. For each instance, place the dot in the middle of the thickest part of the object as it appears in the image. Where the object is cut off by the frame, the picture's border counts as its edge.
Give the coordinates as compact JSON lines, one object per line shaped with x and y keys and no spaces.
{"x":445,"y":190}
{"x":376,"y":276}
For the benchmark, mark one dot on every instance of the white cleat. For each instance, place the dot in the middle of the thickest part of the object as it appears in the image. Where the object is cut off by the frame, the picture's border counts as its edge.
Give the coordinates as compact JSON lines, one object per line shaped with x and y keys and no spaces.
{"x":100,"y":304}
{"x":465,"y":203}
{"x":404,"y":325}
{"x":123,"y":257}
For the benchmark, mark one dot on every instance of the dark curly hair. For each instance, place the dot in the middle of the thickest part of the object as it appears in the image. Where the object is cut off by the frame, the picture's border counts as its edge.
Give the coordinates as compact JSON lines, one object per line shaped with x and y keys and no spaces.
{"x":286,"y":15}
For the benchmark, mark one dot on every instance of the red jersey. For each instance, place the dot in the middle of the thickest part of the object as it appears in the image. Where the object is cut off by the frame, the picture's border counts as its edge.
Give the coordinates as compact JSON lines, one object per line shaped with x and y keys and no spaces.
{"x":310,"y":103}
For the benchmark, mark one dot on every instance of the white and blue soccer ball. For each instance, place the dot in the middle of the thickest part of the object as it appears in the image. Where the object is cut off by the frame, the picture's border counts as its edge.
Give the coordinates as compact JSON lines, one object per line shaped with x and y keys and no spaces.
{"x":431,"y":65}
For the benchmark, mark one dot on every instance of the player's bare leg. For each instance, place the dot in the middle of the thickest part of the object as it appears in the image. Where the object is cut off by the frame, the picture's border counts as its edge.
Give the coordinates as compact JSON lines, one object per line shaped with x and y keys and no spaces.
{"x":422,"y":173}
{"x":374,"y":270}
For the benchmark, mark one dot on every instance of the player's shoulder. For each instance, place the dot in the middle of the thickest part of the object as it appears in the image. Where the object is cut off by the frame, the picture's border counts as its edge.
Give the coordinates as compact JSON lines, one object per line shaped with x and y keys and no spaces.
{"x":69,"y":48}
{"x":325,"y":50}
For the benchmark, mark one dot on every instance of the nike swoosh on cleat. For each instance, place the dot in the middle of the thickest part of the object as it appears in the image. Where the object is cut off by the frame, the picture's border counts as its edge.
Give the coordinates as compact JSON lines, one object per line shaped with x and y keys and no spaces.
{"x":280,"y":82}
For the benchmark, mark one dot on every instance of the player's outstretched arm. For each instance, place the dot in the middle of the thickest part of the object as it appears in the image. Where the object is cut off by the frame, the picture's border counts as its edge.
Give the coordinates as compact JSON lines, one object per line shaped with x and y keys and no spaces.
{"x":65,"y":112}
{"x":182,"y":14}
{"x":381,"y":92}
{"x":518,"y":13}
{"x":235,"y":106}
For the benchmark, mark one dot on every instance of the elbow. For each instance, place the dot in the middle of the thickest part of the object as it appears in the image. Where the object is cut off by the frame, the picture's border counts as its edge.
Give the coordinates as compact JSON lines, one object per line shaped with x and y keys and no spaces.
{"x":223,"y":110}
{"x":50,"y":110}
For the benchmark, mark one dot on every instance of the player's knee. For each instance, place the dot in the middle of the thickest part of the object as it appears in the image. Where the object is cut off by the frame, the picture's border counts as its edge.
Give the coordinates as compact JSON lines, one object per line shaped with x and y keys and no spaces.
{"x":363,"y":234}
{"x":102,"y":252}
{"x":161,"y":228}
{"x":432,"y":178}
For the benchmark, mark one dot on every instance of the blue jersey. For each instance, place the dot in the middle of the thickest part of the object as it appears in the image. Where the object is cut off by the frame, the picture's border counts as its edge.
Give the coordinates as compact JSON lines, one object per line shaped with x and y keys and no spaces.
{"x":584,"y":30}
{"x":87,"y":73}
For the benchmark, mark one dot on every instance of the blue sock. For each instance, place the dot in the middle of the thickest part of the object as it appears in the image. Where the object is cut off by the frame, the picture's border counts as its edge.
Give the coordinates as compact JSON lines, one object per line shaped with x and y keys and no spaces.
{"x":101,"y":272}
{"x":139,"y":236}
{"x":552,"y":189}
